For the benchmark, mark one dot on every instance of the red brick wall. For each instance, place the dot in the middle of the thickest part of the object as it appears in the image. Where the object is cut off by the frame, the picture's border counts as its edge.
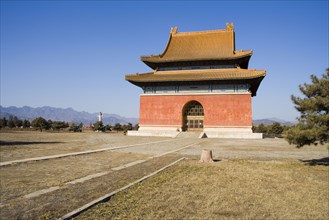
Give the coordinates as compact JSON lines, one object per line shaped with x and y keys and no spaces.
{"x":219,"y":109}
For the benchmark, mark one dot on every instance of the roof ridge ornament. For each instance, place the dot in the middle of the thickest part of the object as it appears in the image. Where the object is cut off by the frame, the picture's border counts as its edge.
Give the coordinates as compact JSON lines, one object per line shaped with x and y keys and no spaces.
{"x":229,"y":26}
{"x":174,"y":30}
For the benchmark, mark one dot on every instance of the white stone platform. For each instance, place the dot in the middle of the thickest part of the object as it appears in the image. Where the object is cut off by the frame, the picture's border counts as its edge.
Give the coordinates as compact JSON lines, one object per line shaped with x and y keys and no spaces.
{"x":232,"y":132}
{"x":234,"y":135}
{"x":155,"y":132}
{"x":229,"y":132}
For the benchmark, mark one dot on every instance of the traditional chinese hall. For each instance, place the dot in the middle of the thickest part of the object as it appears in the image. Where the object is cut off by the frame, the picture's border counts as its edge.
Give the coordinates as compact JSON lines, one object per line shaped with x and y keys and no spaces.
{"x":200,"y":83}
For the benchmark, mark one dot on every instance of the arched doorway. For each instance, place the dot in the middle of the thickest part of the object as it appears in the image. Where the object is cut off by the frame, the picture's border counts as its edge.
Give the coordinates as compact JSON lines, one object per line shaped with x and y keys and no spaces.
{"x":193,"y":116}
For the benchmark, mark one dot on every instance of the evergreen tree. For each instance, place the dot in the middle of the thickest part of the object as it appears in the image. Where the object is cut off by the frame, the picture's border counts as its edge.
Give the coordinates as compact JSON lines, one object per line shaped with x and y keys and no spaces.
{"x":17,"y":122}
{"x":26,"y":124}
{"x":129,"y":126}
{"x":11,"y":123}
{"x":313,"y":125}
{"x":117,"y":127}
{"x":276,"y":128}
{"x":57,"y":125}
{"x":40,"y":123}
{"x":98,"y":126}
{"x":3,"y":122}
{"x":261,"y":128}
{"x":75,"y":128}
{"x":108,"y":128}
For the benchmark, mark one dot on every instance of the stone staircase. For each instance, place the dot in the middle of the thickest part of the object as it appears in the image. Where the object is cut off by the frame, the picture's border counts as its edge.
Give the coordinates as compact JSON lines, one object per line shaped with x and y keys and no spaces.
{"x":189,"y":134}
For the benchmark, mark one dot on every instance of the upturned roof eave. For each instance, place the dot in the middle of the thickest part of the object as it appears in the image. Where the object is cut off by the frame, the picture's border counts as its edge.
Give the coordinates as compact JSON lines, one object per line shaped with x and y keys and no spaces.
{"x":192,"y":75}
{"x":159,"y":59}
{"x":133,"y":79}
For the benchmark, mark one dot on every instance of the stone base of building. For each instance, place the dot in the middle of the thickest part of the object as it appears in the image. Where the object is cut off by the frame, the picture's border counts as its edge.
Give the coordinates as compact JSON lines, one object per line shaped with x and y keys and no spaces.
{"x":155,"y":132}
{"x":234,"y":132}
{"x":173,"y":132}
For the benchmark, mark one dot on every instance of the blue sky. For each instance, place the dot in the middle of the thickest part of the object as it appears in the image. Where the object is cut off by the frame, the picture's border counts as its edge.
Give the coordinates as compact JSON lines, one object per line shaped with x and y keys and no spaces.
{"x":76,"y":53}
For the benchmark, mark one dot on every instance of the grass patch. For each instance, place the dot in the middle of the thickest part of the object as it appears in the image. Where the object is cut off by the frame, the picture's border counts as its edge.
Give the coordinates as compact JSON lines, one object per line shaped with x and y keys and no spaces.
{"x":238,"y":189}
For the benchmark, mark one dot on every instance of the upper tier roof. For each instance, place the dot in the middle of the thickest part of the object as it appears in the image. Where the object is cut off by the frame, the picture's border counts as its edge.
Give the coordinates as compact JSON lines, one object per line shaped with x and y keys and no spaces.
{"x":196,"y":46}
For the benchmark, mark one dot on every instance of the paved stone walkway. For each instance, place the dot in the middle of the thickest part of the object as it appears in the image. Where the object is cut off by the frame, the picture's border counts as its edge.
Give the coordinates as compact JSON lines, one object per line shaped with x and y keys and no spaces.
{"x":72,"y":196}
{"x":74,"y":154}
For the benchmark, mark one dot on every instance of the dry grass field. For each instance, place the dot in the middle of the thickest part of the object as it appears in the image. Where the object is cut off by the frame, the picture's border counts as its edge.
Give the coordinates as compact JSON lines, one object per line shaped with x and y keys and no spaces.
{"x":228,"y":189}
{"x":251,"y":179}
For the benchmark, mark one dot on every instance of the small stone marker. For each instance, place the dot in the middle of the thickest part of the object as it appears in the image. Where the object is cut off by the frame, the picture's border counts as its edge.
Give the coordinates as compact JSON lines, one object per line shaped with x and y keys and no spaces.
{"x":206,"y":156}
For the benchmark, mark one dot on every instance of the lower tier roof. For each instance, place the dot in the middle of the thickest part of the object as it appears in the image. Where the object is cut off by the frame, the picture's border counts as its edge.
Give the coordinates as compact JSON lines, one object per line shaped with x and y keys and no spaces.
{"x":199,"y":76}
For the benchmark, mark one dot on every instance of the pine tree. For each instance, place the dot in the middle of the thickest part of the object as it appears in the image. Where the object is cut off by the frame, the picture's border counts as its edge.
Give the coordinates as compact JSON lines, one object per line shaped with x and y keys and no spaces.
{"x":3,"y":122}
{"x":313,"y":125}
{"x":117,"y":127}
{"x":261,"y":129}
{"x":40,"y":123}
{"x":98,"y":126}
{"x":276,"y":128}
{"x":26,"y":123}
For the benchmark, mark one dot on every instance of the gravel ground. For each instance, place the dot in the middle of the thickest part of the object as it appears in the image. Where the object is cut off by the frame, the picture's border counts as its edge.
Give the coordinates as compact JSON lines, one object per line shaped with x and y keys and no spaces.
{"x":30,"y":144}
{"x":20,"y":145}
{"x":262,"y":149}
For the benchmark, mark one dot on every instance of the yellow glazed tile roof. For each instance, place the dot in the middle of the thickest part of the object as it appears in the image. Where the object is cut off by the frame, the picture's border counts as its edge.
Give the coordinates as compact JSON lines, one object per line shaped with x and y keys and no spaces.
{"x":204,"y":45}
{"x":196,"y":75}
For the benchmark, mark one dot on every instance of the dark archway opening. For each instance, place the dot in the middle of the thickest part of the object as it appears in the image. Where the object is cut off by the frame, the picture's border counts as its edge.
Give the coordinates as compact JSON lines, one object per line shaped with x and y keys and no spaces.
{"x":193,"y":116}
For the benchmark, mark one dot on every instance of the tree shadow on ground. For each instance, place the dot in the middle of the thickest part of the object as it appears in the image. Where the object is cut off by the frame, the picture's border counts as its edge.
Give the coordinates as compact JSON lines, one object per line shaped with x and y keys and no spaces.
{"x":317,"y":162}
{"x":13,"y":143}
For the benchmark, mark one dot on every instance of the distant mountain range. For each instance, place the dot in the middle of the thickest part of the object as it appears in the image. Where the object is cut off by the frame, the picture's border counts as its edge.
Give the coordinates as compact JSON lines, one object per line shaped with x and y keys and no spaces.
{"x":268,"y":121}
{"x":70,"y":115}
{"x":61,"y":114}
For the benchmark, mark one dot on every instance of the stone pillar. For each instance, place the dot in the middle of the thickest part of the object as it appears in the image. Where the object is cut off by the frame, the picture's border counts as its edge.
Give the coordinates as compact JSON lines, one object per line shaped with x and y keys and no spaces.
{"x":206,"y":156}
